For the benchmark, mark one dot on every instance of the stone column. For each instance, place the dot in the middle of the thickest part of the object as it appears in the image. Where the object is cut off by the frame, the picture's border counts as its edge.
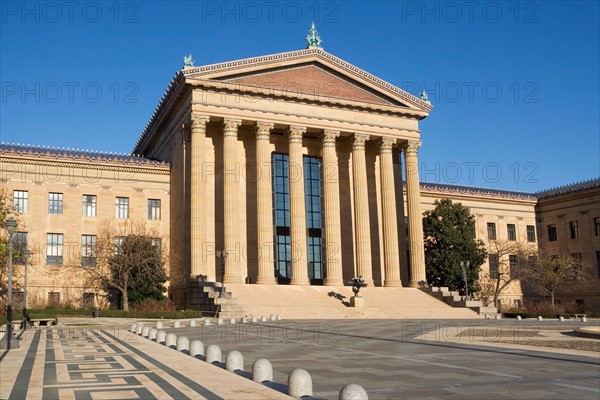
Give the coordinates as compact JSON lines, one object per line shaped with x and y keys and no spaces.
{"x":297,"y":207}
{"x":415,"y":218}
{"x":197,"y":197}
{"x":389,"y":211}
{"x":231,"y":205}
{"x":331,"y":199}
{"x":361,"y":209}
{"x":264,"y":205}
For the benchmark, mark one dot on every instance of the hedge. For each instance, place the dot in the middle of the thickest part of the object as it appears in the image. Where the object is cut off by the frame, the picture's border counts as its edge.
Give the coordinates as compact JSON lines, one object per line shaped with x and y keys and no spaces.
{"x":51,"y":312}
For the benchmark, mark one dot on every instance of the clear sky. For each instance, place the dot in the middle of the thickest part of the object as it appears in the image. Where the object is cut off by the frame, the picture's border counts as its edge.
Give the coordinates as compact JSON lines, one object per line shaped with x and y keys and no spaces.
{"x":515,"y":85}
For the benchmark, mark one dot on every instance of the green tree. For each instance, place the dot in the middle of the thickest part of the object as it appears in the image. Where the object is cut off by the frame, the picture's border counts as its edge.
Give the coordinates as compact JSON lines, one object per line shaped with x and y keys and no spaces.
{"x":449,"y":231}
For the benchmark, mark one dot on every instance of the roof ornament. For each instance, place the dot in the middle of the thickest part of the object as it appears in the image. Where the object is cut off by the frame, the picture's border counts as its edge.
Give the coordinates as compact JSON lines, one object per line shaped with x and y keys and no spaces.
{"x":313,"y":40}
{"x":188,"y":61}
{"x":424,"y":96}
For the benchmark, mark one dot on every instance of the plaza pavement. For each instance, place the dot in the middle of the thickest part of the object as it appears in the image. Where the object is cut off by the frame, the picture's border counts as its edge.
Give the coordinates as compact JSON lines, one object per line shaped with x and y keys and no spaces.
{"x":391,"y":359}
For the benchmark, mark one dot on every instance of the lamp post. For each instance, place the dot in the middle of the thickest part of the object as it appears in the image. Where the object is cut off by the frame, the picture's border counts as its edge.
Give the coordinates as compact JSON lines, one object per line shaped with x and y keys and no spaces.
{"x":26,"y":253}
{"x":464,"y":266}
{"x":222,"y":255}
{"x":9,"y":342}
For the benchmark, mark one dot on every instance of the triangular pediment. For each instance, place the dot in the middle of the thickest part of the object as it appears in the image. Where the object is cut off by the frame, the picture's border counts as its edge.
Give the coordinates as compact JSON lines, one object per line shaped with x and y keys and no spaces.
{"x":311,"y":72}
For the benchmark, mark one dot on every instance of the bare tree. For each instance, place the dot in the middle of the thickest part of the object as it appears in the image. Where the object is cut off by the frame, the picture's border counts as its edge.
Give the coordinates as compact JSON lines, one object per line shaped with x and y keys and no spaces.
{"x":127,"y":256}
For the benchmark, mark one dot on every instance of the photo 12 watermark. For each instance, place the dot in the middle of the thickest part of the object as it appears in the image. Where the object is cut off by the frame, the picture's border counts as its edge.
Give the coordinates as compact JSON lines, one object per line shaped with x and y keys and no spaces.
{"x":53,"y":12}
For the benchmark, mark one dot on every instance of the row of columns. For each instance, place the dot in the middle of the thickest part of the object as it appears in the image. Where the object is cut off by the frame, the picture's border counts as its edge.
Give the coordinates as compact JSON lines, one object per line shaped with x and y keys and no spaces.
{"x":332,"y":225}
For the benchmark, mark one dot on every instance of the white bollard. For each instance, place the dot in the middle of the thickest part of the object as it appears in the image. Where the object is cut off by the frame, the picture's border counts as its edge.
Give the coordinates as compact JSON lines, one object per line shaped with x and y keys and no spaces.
{"x":161,"y":337}
{"x":486,"y":316}
{"x":272,"y":317}
{"x":300,"y":383}
{"x":213,"y":354}
{"x":583,"y":319}
{"x":159,"y":325}
{"x":518,"y":317}
{"x":262,"y":370}
{"x":183,"y":343}
{"x":196,"y":348}
{"x":278,"y":317}
{"x":206,"y":322}
{"x":234,"y":361}
{"x":152,"y":334}
{"x":171,"y":340}
{"x":133,"y":327}
{"x":561,"y":318}
{"x":539,"y":318}
{"x":498,"y":316}
{"x":231,"y":321}
{"x":263,"y":318}
{"x":220,"y":321}
{"x":138,"y":329}
{"x":176,"y":324}
{"x":193,"y":323}
{"x":254,"y":319}
{"x":244,"y":320}
{"x":145,"y":331}
{"x":353,"y":391}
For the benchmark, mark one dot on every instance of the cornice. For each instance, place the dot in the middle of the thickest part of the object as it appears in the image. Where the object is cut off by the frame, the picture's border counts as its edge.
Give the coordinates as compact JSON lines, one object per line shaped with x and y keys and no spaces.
{"x":470,"y":192}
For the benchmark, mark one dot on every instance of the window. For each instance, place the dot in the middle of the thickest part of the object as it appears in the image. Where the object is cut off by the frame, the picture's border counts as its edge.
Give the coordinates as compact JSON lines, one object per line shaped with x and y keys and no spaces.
{"x":513,"y":263}
{"x":156,"y":242}
{"x":598,"y":262}
{"x":55,"y":203}
{"x":511,"y":232}
{"x":313,"y":201}
{"x":19,"y":245}
{"x":54,"y":249}
{"x":491,"y":228}
{"x":54,"y":299}
{"x":89,"y":205}
{"x":597,"y":226}
{"x":552,"y":233}
{"x":20,"y":200}
{"x":88,"y":250}
{"x":89,"y":300}
{"x":118,"y":241}
{"x":574,"y":229}
{"x":154,"y":209}
{"x":577,"y":258}
{"x":281,"y":216}
{"x":530,"y":233}
{"x":122,"y":207}
{"x":493,"y":261}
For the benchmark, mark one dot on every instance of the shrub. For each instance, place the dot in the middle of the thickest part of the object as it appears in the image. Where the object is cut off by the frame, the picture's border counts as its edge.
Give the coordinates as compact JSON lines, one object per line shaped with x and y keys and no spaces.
{"x":164,"y":305}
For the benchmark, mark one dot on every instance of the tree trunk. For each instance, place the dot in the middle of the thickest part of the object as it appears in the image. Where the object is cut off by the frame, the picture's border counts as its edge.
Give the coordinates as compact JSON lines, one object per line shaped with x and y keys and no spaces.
{"x":125,"y":299}
{"x":552,"y":297}
{"x":497,"y":293}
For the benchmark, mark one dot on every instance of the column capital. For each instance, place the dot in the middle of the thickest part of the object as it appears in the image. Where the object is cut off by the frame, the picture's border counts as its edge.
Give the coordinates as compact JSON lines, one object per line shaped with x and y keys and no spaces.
{"x":230,"y":126}
{"x":329,"y":137}
{"x":198,"y":122}
{"x":411,"y":147}
{"x":295,"y":133}
{"x":263,"y":130}
{"x":386,"y":144}
{"x":359,"y":140}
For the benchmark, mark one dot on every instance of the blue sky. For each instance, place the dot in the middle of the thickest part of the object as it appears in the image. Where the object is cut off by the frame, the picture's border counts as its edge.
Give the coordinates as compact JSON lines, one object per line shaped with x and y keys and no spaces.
{"x":515,"y":85}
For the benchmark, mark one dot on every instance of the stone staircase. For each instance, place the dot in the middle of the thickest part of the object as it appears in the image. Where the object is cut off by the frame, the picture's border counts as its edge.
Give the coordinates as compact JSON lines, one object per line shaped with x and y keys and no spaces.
{"x":209,"y":300}
{"x":332,"y":302}
{"x":454,"y":299}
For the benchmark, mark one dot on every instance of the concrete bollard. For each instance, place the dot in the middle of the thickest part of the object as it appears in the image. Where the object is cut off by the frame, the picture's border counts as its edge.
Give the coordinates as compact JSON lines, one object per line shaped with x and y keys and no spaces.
{"x":171,"y":340}
{"x":145,"y":331}
{"x":193,"y":323}
{"x":234,"y":361}
{"x":518,"y":317}
{"x":206,"y":322}
{"x":220,"y":321}
{"x":300,"y":383}
{"x":561,"y":318}
{"x":353,"y":391}
{"x":176,"y":324}
{"x":196,"y":348}
{"x":231,"y":321}
{"x":583,"y":319}
{"x":262,"y":370}
{"x":183,"y":343}
{"x":159,"y":325}
{"x":138,"y":328}
{"x":272,"y":317}
{"x":254,"y":319}
{"x":263,"y":318}
{"x":498,"y":316}
{"x":152,"y":334}
{"x":161,"y":337}
{"x":133,"y":327}
{"x":244,"y":320}
{"x":486,"y":316}
{"x":278,"y":317}
{"x":539,"y":318}
{"x":213,"y":354}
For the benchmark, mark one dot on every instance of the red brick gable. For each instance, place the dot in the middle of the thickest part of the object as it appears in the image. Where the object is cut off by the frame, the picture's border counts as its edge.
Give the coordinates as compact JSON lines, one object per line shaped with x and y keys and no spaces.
{"x":310,"y":79}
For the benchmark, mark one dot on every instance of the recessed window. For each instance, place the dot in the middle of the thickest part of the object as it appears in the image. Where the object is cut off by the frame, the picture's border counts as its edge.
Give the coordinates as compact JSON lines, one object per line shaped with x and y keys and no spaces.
{"x":154,"y":209}
{"x":513,"y":263}
{"x":530,"y":233}
{"x":54,"y":249}
{"x":511,"y":232}
{"x":54,"y":299}
{"x":88,"y":250}
{"x":122,"y":207}
{"x":597,"y":226}
{"x":20,"y":245}
{"x":55,"y":203}
{"x":574,"y":229}
{"x":20,"y":201}
{"x":491,"y":229}
{"x":493,"y":262}
{"x":552,"y":233}
{"x":89,"y":205}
